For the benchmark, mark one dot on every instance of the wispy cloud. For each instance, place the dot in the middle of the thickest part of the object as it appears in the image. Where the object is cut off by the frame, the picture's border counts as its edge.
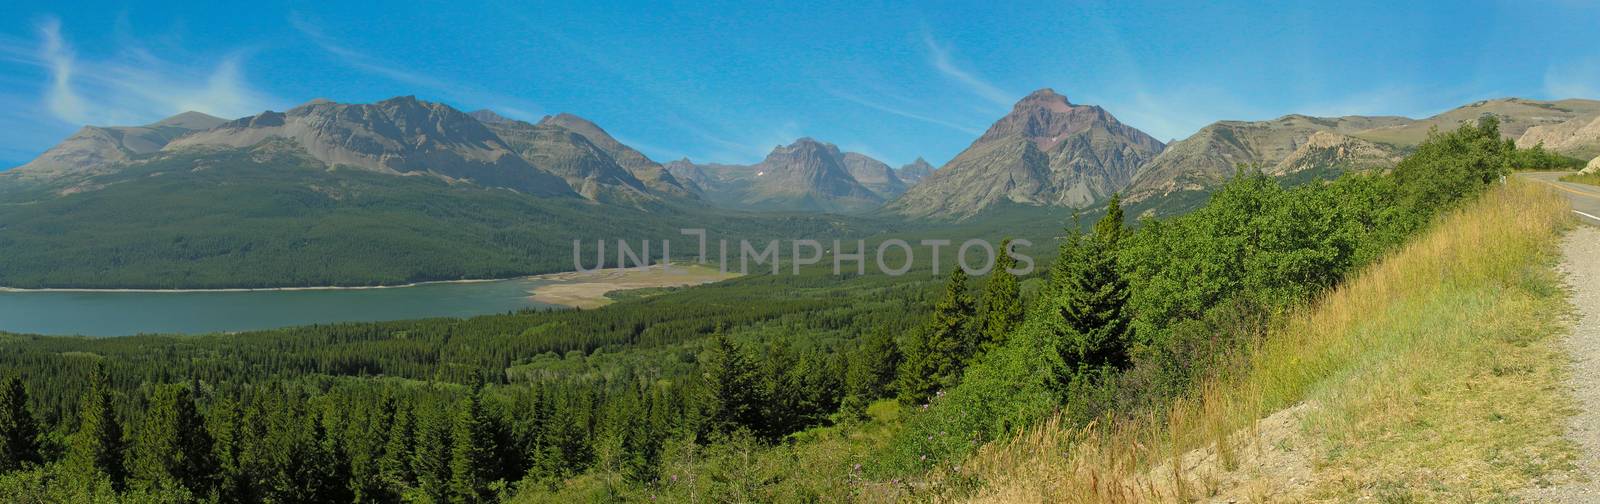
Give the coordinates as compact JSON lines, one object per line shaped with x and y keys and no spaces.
{"x":470,"y":96}
{"x":133,"y":87}
{"x":939,"y":56}
{"x":876,"y":105}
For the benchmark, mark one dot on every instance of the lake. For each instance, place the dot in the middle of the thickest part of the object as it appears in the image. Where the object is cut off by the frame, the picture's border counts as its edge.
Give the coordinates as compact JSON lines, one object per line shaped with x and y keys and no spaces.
{"x":112,"y":313}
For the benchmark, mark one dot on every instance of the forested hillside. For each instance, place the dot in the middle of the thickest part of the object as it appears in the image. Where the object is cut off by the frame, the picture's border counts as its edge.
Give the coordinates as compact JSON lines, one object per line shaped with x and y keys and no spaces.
{"x":766,"y":388}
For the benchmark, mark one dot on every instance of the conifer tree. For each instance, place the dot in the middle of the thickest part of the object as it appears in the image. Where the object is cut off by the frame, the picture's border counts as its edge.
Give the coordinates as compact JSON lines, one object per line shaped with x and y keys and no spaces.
{"x":471,"y":450}
{"x":174,"y":449}
{"x":19,"y":432}
{"x":430,"y":459}
{"x":1001,"y":310}
{"x":396,"y":463}
{"x":934,"y":355}
{"x":1091,"y":294}
{"x":871,"y":368}
{"x":734,"y":395}
{"x":97,"y":446}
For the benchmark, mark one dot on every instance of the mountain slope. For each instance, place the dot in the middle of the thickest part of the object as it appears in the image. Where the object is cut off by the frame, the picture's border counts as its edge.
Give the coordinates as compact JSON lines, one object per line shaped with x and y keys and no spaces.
{"x":1212,"y":155}
{"x":873,"y":174}
{"x":94,"y":149}
{"x":1516,"y":116}
{"x":1047,"y":151}
{"x":270,"y":215}
{"x":1578,"y":137}
{"x":1334,"y":153}
{"x":586,"y":167}
{"x":641,"y":167}
{"x":398,"y":136}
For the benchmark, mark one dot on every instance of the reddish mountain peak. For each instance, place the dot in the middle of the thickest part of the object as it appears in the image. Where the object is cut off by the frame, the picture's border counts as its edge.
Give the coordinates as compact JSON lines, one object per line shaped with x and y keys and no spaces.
{"x":1045,"y":117}
{"x":1046,"y":98}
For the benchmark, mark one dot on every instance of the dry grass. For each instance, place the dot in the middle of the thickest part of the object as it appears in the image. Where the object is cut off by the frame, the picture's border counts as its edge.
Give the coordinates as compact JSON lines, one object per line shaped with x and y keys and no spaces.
{"x":1583,"y":178}
{"x":1428,"y":376}
{"x":589,"y":289}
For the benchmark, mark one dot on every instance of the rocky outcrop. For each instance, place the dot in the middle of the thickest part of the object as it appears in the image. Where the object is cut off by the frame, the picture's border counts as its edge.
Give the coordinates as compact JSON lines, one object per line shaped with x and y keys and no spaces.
{"x":1214,"y":154}
{"x":1579,"y":137}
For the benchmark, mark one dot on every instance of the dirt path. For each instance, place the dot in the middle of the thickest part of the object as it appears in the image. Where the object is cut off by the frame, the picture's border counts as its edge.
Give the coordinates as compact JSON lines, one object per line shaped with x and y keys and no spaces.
{"x":1582,"y":269}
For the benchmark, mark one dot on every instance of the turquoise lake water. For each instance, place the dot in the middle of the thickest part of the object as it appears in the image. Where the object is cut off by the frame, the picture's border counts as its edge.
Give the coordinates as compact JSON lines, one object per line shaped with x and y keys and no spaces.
{"x":125,"y":313}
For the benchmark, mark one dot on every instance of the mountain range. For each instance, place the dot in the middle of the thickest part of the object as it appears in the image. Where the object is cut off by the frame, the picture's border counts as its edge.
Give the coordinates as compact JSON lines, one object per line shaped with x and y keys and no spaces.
{"x":435,"y":177}
{"x":806,"y":176}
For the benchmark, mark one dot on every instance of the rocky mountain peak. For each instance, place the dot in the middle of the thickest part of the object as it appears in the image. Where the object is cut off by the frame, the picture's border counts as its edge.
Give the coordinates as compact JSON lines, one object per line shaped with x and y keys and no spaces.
{"x":914,"y":171}
{"x":487,"y":116}
{"x":1045,"y":118}
{"x":1046,"y":152}
{"x":191,"y":120}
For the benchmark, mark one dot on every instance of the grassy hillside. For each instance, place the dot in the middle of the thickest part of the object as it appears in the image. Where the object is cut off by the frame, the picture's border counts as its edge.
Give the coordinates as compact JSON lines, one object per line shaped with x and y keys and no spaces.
{"x":1430,"y":376}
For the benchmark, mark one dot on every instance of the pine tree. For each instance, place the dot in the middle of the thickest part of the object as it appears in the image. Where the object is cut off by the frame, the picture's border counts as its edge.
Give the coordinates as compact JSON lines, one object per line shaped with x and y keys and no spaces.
{"x":97,"y":446}
{"x":173,"y":448}
{"x":780,"y":385}
{"x":1001,"y":310}
{"x":871,"y":368}
{"x":396,"y":463}
{"x":19,"y":433}
{"x":1091,"y":295}
{"x":934,"y":355}
{"x":732,"y":387}
{"x":430,"y":459}
{"x":471,"y":450}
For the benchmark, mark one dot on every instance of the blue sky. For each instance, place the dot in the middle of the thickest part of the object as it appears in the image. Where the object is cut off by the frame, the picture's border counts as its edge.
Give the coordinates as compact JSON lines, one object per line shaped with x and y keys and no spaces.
{"x":725,"y":82}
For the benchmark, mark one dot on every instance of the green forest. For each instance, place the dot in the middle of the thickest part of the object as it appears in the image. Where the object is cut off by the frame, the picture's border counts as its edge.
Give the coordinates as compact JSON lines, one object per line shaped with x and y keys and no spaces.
{"x":761,"y":389}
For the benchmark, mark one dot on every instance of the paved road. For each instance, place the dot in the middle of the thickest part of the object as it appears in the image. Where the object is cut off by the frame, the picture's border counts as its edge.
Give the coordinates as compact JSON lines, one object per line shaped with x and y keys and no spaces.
{"x":1585,"y":198}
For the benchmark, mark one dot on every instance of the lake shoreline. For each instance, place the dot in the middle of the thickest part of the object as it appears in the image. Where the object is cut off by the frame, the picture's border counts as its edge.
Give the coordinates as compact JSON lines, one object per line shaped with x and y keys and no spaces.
{"x":271,"y":289}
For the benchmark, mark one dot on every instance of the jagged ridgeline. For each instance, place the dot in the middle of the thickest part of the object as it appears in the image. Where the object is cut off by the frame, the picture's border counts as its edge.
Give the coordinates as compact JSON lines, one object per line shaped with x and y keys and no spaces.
{"x":328,"y":193}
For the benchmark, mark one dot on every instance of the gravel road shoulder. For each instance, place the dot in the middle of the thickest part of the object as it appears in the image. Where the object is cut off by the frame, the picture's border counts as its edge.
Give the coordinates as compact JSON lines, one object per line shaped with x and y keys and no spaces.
{"x":1581,"y":267}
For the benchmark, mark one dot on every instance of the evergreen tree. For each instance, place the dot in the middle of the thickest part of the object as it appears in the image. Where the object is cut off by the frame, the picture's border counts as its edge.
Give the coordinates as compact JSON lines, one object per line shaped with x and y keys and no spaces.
{"x":1001,"y":310}
{"x":174,"y":449}
{"x":543,"y":452}
{"x":97,"y":446}
{"x":19,"y":433}
{"x":780,"y":385}
{"x":732,"y":384}
{"x":396,"y":463}
{"x":935,"y":354}
{"x":1091,"y":294}
{"x":472,"y":450}
{"x":871,"y":368}
{"x":430,"y":459}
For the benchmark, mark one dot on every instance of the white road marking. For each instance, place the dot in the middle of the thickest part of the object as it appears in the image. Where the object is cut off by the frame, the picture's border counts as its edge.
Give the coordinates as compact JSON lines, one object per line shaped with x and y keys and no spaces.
{"x":1587,"y":215}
